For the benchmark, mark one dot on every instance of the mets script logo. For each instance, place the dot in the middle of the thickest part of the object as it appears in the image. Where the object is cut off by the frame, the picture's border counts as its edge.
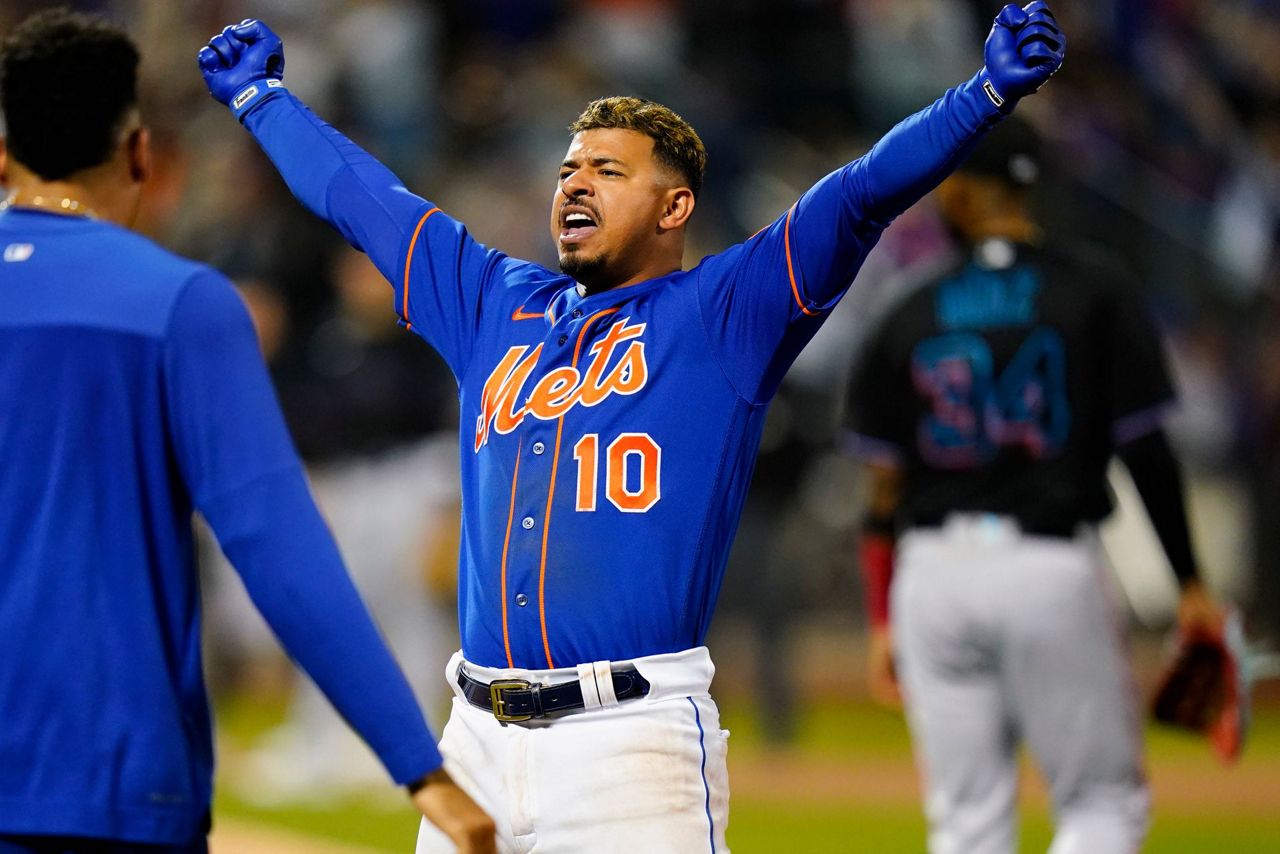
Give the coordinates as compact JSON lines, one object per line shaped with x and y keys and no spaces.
{"x":504,"y":405}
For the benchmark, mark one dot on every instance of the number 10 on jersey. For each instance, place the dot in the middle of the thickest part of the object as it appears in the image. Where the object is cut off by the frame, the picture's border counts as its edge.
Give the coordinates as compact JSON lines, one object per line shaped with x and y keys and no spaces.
{"x":632,"y":469}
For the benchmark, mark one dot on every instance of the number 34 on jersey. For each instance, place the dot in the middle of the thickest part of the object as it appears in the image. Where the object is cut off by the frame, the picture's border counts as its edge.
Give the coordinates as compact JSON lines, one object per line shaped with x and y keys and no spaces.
{"x":629,"y":464}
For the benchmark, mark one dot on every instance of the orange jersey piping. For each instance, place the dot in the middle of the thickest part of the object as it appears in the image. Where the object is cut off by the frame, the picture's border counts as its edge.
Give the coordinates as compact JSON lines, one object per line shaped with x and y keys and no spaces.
{"x":506,"y":634}
{"x":791,"y":273}
{"x":408,"y":260}
{"x":551,"y":491}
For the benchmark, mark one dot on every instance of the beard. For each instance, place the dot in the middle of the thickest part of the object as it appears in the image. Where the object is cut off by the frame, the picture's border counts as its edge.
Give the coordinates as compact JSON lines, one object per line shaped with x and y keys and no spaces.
{"x":584,"y":270}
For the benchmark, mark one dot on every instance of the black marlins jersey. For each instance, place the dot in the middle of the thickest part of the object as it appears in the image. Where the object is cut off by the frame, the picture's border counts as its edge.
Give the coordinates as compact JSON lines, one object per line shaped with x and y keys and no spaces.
{"x":1004,"y":385}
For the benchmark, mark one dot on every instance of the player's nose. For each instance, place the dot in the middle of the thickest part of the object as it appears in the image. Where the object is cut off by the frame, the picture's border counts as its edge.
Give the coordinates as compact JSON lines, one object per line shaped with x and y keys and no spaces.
{"x":576,"y":185}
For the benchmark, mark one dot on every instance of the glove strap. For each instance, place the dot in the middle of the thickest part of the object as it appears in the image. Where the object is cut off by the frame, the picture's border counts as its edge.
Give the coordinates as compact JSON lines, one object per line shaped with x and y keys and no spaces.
{"x":253,"y":94}
{"x":993,"y":95}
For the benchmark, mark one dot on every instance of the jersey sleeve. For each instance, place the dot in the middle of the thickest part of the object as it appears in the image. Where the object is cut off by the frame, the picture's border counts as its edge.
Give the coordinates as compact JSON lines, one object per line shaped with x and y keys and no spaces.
{"x":234,"y":453}
{"x":1140,"y":393}
{"x":438,"y":271}
{"x":764,"y":299}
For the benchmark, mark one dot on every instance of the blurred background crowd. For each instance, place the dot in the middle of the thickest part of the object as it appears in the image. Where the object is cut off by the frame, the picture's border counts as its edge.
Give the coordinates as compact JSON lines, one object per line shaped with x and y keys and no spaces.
{"x":1162,"y":142}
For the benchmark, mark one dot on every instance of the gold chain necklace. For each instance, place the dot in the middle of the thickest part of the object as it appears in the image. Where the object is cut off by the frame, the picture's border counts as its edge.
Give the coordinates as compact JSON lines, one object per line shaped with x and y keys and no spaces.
{"x":71,"y":207}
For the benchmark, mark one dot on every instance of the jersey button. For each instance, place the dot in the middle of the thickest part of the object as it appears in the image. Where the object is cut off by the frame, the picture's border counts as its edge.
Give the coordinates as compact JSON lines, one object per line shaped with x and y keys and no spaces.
{"x":563,"y":338}
{"x":538,"y":447}
{"x":526,"y":522}
{"x":522,"y":599}
{"x":577,"y":312}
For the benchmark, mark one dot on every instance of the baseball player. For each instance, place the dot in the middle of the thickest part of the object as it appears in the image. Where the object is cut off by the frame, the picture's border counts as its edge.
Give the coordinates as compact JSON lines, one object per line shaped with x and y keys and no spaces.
{"x":988,"y":404}
{"x":132,"y":393}
{"x":610,"y":417}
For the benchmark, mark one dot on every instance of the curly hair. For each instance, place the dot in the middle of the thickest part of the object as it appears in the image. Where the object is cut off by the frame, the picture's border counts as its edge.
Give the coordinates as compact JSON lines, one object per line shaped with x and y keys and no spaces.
{"x":675,"y":143}
{"x":67,"y":81}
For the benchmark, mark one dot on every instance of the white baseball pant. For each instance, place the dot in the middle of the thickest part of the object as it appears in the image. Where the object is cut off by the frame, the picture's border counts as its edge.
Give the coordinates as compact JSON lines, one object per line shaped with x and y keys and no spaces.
{"x":647,"y":774}
{"x":1004,"y":638}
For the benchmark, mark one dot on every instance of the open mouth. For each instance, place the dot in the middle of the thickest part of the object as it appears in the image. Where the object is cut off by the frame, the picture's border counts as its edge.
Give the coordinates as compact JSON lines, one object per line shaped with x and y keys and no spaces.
{"x":576,"y":225}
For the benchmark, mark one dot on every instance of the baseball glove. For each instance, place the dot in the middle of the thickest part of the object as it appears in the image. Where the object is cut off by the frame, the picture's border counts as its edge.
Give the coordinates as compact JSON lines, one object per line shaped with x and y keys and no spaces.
{"x":1205,"y":689}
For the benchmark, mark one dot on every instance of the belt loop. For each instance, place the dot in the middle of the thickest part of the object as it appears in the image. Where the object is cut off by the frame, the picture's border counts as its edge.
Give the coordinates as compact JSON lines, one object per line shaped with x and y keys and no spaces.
{"x":454,"y":672}
{"x":604,"y":683}
{"x":587,"y":681}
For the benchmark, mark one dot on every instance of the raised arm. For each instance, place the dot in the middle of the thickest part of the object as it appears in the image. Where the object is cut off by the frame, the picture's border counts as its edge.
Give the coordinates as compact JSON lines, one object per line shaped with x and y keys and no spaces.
{"x":1023,"y":50}
{"x":764,"y":299}
{"x":244,"y":69}
{"x":852,"y":206}
{"x":437,"y":270}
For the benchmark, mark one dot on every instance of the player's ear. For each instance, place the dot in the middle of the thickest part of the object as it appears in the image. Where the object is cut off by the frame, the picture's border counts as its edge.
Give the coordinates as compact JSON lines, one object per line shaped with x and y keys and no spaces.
{"x":677,"y":209}
{"x":138,"y":150}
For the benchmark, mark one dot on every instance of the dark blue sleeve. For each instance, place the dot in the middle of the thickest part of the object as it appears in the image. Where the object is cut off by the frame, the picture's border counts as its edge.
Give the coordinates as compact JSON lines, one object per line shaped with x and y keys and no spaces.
{"x":235,"y":455}
{"x":1140,"y":398}
{"x":438,"y":271}
{"x":764,"y":299}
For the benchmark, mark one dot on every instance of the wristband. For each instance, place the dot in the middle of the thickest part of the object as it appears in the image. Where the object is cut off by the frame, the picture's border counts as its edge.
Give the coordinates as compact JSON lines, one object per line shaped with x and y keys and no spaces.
{"x":253,"y":94}
{"x":875,"y":554}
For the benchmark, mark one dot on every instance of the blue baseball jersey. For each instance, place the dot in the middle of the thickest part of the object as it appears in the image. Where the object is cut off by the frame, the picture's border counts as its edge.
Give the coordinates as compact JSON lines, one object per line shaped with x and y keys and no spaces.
{"x":132,"y":393}
{"x":607,"y":440}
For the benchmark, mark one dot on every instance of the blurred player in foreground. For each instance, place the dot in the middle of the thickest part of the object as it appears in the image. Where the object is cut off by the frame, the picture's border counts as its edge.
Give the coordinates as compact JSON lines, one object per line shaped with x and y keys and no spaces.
{"x":611,"y":414}
{"x":131,"y":394}
{"x":988,"y":404}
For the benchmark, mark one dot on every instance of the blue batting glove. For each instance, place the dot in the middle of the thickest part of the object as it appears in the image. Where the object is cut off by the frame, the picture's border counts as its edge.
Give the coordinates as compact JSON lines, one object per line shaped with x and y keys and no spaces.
{"x":243,"y":65}
{"x":1024,"y":49}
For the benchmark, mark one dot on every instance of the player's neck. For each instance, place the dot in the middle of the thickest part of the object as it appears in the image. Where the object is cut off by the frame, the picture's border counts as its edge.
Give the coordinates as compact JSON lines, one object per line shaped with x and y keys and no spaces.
{"x":91,"y":193}
{"x":655,"y":266}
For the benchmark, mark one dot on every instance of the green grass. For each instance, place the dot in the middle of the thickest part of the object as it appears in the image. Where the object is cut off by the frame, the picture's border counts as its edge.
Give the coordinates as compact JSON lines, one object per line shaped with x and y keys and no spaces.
{"x":757,"y":828}
{"x":859,"y":730}
{"x":379,"y":822}
{"x":762,"y":821}
{"x":851,"y":731}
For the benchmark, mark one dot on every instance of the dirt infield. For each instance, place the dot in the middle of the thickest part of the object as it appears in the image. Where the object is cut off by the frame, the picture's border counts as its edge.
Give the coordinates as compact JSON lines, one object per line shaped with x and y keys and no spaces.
{"x":1185,"y":787}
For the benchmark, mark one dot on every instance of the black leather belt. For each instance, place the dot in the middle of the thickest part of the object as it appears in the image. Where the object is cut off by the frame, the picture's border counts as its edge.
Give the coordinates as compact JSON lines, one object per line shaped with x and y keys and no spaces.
{"x":520,"y":700}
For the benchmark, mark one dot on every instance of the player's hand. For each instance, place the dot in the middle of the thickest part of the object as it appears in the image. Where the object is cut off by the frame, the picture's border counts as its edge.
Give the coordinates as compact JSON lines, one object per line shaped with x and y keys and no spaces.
{"x":1199,"y":614}
{"x":452,"y":810}
{"x":882,"y":676}
{"x":240,"y":56}
{"x":1024,"y":49}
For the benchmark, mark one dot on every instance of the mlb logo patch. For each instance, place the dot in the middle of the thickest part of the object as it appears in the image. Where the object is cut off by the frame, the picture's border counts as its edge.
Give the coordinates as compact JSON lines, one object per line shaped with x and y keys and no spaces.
{"x":16,"y":252}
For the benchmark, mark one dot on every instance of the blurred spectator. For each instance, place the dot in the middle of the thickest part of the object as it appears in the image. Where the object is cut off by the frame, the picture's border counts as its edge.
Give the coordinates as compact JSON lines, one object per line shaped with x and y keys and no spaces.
{"x":390,"y":91}
{"x":884,"y":32}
